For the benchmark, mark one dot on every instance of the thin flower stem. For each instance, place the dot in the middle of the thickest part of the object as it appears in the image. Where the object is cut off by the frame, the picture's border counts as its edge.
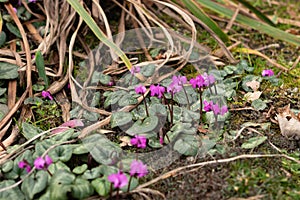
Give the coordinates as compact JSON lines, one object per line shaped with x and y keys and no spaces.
{"x":216,"y":121}
{"x":49,"y":172}
{"x":167,"y":137}
{"x":209,"y":87}
{"x":200,"y":112}
{"x":187,"y":98}
{"x":145,"y":105}
{"x":170,"y":109}
{"x":117,"y":194}
{"x":128,"y":188}
{"x":110,"y":192}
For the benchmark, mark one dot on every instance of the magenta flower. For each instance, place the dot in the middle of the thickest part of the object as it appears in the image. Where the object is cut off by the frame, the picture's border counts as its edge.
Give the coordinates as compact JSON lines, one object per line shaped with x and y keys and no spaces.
{"x":135,"y":69}
{"x":219,"y":111}
{"x":197,"y":82}
{"x":176,"y":84}
{"x":161,"y":140}
{"x":207,"y":105}
{"x":46,"y":94}
{"x":224,"y":110}
{"x":111,"y":83}
{"x":208,"y":79}
{"x":137,"y":168}
{"x":15,"y":10}
{"x":119,"y":179}
{"x":31,"y":1}
{"x":140,"y":89}
{"x":139,"y":141}
{"x":24,"y":164}
{"x":41,"y":163}
{"x":157,"y":91}
{"x":267,"y":72}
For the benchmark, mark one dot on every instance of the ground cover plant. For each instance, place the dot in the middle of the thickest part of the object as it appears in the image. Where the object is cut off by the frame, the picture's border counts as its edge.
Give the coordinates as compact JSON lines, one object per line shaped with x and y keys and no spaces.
{"x":149,"y":99}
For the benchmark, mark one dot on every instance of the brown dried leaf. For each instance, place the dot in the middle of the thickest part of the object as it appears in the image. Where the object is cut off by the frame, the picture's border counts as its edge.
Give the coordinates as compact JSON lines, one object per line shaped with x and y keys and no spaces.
{"x":125,"y":141}
{"x":288,"y":122}
{"x":254,"y":85}
{"x":251,"y":96}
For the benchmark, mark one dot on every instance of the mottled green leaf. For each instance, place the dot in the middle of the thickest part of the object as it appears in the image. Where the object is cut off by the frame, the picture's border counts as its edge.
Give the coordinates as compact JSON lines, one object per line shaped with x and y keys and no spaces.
{"x":254,"y":142}
{"x":29,"y":130}
{"x":147,"y":125}
{"x":82,"y":189}
{"x":101,"y":148}
{"x":258,"y":104}
{"x":120,"y":118}
{"x":61,"y":184}
{"x":13,"y":193}
{"x":8,"y":70}
{"x":80,"y":169}
{"x":34,"y":184}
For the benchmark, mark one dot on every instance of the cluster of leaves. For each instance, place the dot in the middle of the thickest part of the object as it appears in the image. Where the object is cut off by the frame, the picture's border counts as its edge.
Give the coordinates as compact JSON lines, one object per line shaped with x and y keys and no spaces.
{"x":69,"y":179}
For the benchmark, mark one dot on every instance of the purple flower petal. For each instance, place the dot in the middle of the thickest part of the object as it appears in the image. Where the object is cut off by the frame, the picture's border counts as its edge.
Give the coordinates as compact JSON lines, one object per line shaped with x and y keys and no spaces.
{"x":140,"y":89}
{"x":138,"y":168}
{"x":207,"y":105}
{"x":46,"y":94}
{"x":157,"y":91}
{"x":139,"y":141}
{"x":161,"y":140}
{"x":24,"y":164}
{"x":267,"y":72}
{"x":119,"y":180}
{"x":28,"y":168}
{"x":39,"y":163}
{"x":224,"y":110}
{"x":135,"y":69}
{"x":48,"y":160}
{"x":216,"y":109}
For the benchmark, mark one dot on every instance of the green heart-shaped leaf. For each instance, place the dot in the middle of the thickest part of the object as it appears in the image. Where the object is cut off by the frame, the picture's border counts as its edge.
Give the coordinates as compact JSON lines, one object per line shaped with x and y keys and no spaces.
{"x":80,"y":169}
{"x":61,"y":184}
{"x":34,"y":184}
{"x":254,"y":142}
{"x":101,"y":186}
{"x":8,"y":70}
{"x":149,"y":124}
{"x":29,"y":130}
{"x":82,"y":189}
{"x":63,"y":153}
{"x":13,"y":193}
{"x":101,"y":148}
{"x":120,"y":118}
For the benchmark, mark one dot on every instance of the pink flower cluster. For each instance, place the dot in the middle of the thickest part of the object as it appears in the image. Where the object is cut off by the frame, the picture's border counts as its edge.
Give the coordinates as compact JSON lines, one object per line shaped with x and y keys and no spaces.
{"x":217,"y":110}
{"x":39,"y":163}
{"x":177,"y":84}
{"x":139,"y":141}
{"x":137,"y":168}
{"x":201,"y":81}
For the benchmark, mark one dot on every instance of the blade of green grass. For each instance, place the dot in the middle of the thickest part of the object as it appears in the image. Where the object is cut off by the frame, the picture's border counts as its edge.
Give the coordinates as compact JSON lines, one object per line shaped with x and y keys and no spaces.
{"x":262,"y":27}
{"x":98,"y":32}
{"x":259,"y":14}
{"x":200,"y":14}
{"x":40,"y":65}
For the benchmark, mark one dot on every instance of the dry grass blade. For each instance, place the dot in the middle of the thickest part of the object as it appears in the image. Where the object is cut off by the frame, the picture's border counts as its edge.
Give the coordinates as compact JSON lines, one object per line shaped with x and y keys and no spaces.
{"x":251,"y":51}
{"x":26,"y":46}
